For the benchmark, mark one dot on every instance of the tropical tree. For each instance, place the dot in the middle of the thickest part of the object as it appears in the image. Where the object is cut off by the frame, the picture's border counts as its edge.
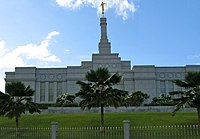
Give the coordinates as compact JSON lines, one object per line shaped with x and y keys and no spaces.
{"x":191,"y":94}
{"x":98,"y":91}
{"x":163,"y":100}
{"x":136,"y":98}
{"x":16,"y":101}
{"x":65,"y":99}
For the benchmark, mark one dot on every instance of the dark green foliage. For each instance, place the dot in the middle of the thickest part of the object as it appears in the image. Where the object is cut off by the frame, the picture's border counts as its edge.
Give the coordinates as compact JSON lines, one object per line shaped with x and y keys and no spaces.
{"x":18,"y":89}
{"x":163,"y":100}
{"x":65,"y":99}
{"x":98,"y":91}
{"x":136,"y":98}
{"x":17,"y":100}
{"x":193,"y":79}
{"x":191,"y":94}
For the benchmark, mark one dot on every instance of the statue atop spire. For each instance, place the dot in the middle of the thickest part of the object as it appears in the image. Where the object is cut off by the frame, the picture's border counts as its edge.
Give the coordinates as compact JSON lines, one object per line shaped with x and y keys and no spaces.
{"x":102,"y":8}
{"x":104,"y":44}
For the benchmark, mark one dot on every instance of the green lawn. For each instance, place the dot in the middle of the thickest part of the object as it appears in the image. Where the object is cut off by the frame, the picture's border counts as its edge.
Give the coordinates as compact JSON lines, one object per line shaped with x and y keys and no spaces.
{"x":111,"y":119}
{"x":86,"y":126}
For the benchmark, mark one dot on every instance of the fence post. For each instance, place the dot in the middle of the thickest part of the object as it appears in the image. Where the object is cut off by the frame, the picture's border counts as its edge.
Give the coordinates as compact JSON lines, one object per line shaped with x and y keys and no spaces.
{"x":126,"y":129}
{"x":54,"y":130}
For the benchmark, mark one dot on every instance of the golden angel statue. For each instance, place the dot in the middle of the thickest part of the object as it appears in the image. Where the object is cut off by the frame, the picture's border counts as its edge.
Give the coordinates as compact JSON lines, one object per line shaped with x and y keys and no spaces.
{"x":102,"y":7}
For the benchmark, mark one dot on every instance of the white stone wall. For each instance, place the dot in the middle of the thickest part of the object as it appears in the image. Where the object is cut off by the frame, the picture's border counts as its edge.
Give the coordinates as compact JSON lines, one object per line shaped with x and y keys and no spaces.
{"x":145,"y":78}
{"x":141,"y":78}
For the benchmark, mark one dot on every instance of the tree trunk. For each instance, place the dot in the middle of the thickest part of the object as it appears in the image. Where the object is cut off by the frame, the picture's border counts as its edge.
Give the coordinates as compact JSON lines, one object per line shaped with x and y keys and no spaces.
{"x":102,"y":118}
{"x":17,"y":125}
{"x":198,"y":112}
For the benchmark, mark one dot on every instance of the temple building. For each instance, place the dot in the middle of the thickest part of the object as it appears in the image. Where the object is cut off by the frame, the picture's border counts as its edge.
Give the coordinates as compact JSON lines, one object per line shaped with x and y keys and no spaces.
{"x":48,"y":83}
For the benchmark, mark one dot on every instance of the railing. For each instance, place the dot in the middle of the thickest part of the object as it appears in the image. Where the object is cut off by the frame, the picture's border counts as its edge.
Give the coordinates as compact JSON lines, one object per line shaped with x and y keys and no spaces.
{"x":125,"y":132}
{"x":25,"y":133}
{"x":63,"y":133}
{"x":166,"y":132}
{"x":90,"y":133}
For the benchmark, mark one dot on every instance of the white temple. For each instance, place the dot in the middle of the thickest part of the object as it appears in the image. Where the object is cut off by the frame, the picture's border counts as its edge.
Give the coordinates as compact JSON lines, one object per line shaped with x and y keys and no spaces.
{"x":48,"y":83}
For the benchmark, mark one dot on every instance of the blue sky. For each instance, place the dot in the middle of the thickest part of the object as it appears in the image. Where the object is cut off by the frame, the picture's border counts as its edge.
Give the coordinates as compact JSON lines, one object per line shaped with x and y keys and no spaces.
{"x":60,"y":33}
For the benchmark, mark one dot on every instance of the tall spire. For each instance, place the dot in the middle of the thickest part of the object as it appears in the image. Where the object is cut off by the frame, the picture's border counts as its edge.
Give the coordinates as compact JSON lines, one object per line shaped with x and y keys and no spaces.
{"x":104,"y":44}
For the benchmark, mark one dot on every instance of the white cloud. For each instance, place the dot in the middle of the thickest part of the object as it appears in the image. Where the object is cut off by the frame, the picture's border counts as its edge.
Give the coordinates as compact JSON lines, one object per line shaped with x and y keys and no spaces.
{"x":67,"y":50}
{"x":21,"y":55}
{"x":2,"y":85}
{"x":196,"y":56}
{"x":9,"y":58}
{"x":18,"y":56}
{"x":82,"y":58}
{"x":51,"y":34}
{"x":122,"y":7}
{"x":2,"y":48}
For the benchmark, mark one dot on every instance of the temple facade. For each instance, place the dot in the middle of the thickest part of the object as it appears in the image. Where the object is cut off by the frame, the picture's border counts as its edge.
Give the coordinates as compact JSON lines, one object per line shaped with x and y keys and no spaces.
{"x":48,"y":83}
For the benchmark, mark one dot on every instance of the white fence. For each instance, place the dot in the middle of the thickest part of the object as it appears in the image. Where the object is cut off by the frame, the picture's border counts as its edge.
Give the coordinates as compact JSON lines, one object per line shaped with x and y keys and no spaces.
{"x":25,"y":133}
{"x":125,"y":132}
{"x":165,"y":132}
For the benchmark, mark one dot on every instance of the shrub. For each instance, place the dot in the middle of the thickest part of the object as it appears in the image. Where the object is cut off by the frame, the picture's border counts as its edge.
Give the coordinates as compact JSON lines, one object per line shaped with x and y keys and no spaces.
{"x":136,"y":98}
{"x":162,"y":100}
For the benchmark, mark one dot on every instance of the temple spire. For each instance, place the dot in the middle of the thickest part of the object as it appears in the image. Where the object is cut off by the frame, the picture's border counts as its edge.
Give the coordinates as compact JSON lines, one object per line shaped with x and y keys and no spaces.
{"x":104,"y":44}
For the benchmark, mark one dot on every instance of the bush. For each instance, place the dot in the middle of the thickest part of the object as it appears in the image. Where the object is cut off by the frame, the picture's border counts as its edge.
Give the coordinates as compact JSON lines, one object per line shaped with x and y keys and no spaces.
{"x":162,"y":100}
{"x":46,"y":105}
{"x":65,"y":99}
{"x":136,"y":98}
{"x":70,"y":105}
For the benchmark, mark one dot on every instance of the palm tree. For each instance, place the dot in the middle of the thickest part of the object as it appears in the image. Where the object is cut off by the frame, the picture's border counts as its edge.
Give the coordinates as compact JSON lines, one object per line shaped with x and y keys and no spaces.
{"x":191,"y":95}
{"x":98,"y":91}
{"x":17,"y":101}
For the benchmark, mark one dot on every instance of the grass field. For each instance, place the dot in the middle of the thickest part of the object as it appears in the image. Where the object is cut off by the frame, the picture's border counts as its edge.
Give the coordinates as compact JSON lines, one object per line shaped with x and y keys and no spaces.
{"x":111,"y":119}
{"x":86,"y":126}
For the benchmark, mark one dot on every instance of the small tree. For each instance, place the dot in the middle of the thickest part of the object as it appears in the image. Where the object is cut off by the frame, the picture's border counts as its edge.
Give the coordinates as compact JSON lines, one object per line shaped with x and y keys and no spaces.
{"x":191,"y":94}
{"x":136,"y":98}
{"x":98,"y":91}
{"x":65,"y":99}
{"x":162,"y":100}
{"x":17,"y":101}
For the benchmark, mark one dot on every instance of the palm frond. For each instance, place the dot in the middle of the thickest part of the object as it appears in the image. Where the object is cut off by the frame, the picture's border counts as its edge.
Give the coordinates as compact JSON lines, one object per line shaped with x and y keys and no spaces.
{"x":91,"y":76}
{"x":3,"y":98}
{"x":115,"y":78}
{"x":180,"y":105}
{"x":176,"y":93}
{"x":28,"y":91}
{"x":182,"y":83}
{"x":193,"y":78}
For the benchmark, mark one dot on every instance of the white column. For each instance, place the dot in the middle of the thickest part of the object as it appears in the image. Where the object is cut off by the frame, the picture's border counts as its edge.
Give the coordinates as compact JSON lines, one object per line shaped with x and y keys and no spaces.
{"x":55,"y":91}
{"x":157,"y":88}
{"x":46,"y":91}
{"x":37,"y":92}
{"x":167,"y":87}
{"x":64,"y":88}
